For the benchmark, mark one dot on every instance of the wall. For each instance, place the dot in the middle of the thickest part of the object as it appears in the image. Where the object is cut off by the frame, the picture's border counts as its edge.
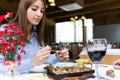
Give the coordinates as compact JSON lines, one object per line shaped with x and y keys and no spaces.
{"x":110,"y":32}
{"x":9,"y":6}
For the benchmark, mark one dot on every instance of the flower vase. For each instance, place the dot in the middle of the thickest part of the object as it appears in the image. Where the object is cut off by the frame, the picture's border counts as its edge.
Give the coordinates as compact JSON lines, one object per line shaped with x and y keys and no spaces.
{"x":11,"y":73}
{"x":10,"y":66}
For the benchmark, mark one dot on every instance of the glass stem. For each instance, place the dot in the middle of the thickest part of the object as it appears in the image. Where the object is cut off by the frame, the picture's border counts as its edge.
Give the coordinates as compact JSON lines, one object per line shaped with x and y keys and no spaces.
{"x":96,"y":69}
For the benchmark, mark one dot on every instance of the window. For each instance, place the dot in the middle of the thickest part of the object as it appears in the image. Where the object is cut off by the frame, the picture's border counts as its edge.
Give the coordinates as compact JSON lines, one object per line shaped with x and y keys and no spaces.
{"x":89,"y":29}
{"x":73,"y":31}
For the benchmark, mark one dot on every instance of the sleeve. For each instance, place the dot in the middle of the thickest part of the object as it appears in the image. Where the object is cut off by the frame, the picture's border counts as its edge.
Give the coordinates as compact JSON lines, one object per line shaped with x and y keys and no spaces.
{"x":52,"y":59}
{"x":25,"y":66}
{"x":25,"y":63}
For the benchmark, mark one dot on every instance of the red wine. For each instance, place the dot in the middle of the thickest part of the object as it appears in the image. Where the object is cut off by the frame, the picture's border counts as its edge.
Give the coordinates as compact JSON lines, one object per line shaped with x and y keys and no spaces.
{"x":96,"y":56}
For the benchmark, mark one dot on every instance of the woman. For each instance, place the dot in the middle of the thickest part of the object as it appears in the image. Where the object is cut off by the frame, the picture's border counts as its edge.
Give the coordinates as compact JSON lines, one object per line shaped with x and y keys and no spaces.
{"x":30,"y":17}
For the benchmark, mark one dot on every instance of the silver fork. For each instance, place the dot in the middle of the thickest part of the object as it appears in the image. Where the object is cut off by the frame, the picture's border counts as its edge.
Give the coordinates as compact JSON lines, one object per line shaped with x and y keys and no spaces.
{"x":104,"y":78}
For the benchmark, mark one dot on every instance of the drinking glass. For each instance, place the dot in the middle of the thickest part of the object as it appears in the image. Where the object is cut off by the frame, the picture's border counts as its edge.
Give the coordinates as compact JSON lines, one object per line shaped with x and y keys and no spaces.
{"x":96,"y":50}
{"x":64,"y":45}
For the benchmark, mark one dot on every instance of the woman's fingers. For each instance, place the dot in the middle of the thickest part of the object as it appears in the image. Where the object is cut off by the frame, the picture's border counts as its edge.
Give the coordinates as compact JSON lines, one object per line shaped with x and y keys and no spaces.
{"x":41,"y":56}
{"x":63,"y":54}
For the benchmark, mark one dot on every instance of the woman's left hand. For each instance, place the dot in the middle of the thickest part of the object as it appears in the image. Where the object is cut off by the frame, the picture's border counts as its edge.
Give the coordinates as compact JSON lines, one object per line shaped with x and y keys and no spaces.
{"x":63,"y":54}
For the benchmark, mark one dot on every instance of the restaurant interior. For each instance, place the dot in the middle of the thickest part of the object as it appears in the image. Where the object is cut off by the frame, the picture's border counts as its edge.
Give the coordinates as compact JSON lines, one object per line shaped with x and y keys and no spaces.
{"x":104,"y":13}
{"x":105,"y":23}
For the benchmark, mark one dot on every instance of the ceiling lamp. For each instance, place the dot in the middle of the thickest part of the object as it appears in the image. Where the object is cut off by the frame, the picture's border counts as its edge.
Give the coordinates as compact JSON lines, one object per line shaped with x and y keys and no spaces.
{"x":83,"y":18}
{"x":52,"y":2}
{"x":70,"y":5}
{"x":74,"y":18}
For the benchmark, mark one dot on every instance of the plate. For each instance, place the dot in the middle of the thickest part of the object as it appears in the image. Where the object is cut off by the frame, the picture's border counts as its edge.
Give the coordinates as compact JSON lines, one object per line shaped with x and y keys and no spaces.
{"x":102,"y":72}
{"x":38,"y":69}
{"x":63,"y":64}
{"x":35,"y":76}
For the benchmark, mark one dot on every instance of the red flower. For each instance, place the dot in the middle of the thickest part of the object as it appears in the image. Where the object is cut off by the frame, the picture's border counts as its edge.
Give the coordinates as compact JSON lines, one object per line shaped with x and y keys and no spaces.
{"x":22,"y":43}
{"x":8,"y":15}
{"x":2,"y":17}
{"x":1,"y":33}
{"x":23,"y":51}
{"x":11,"y":26}
{"x":12,"y":48}
{"x":11,"y":41}
{"x":4,"y":48}
{"x":19,"y":59}
{"x":20,"y":32}
{"x":2,"y":41}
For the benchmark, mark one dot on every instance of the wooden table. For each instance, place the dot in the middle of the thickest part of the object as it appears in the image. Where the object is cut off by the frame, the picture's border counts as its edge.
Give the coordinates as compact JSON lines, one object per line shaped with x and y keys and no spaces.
{"x":108,"y":59}
{"x":111,"y":55}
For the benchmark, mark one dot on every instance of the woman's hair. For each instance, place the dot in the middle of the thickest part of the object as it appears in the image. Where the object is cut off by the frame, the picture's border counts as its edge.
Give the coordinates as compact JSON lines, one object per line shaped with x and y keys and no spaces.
{"x":21,"y":19}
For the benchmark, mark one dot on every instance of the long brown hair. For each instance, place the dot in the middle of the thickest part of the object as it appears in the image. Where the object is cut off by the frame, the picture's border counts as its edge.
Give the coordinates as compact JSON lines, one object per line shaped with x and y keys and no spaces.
{"x":21,"y":19}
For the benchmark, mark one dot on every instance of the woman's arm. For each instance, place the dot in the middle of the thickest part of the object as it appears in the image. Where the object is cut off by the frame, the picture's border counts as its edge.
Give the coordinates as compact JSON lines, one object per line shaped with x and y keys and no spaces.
{"x":58,"y":56}
{"x":25,"y":66}
{"x":52,"y":59}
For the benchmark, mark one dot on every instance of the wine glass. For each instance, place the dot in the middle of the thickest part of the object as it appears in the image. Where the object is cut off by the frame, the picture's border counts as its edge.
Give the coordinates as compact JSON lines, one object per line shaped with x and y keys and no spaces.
{"x":96,"y":51}
{"x":64,"y":45}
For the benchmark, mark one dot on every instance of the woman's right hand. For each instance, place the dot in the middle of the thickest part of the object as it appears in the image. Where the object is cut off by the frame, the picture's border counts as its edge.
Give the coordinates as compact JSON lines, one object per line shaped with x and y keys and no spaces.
{"x":41,"y":56}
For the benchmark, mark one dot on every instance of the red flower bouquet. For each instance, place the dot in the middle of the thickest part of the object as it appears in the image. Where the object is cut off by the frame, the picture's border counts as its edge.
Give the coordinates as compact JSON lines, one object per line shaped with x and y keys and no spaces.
{"x":10,"y":38}
{"x":11,"y":41}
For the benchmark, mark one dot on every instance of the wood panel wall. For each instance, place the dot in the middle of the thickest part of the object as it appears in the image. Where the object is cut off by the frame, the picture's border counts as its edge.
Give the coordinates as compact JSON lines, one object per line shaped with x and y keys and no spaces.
{"x":105,"y":20}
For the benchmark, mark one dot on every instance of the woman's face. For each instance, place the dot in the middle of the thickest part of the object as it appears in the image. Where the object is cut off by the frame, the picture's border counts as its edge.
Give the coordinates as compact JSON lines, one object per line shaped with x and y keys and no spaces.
{"x":35,"y":12}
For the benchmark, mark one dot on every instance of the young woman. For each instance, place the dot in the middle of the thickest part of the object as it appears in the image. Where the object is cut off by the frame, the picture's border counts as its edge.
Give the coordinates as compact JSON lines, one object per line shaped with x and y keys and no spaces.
{"x":30,"y":17}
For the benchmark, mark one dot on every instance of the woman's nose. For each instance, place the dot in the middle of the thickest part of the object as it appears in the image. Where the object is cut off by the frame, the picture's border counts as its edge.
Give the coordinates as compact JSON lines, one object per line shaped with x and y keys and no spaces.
{"x":39,"y":13}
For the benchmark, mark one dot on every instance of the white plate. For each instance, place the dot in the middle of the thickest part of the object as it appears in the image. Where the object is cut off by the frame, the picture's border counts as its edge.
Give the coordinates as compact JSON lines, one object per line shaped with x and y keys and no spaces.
{"x":102,"y":72}
{"x":63,"y":64}
{"x":38,"y":69}
{"x":29,"y":76}
{"x":8,"y":77}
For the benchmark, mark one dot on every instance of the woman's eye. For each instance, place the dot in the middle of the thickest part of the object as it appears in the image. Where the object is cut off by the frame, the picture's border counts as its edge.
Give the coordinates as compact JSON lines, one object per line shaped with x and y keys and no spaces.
{"x":42,"y":11}
{"x":34,"y":9}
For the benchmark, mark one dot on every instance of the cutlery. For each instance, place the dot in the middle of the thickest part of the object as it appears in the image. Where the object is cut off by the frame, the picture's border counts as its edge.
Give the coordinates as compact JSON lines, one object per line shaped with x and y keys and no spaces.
{"x":101,"y":77}
{"x":102,"y":66}
{"x":52,"y":50}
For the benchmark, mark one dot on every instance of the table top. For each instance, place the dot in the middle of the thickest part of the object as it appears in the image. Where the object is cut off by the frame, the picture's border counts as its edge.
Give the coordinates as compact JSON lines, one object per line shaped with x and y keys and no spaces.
{"x":102,"y":72}
{"x":102,"y":68}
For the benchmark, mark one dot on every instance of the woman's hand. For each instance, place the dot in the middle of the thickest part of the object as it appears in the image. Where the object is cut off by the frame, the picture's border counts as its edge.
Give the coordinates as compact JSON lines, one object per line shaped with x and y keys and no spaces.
{"x":63,"y":54}
{"x":41,"y":56}
{"x":116,"y":64}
